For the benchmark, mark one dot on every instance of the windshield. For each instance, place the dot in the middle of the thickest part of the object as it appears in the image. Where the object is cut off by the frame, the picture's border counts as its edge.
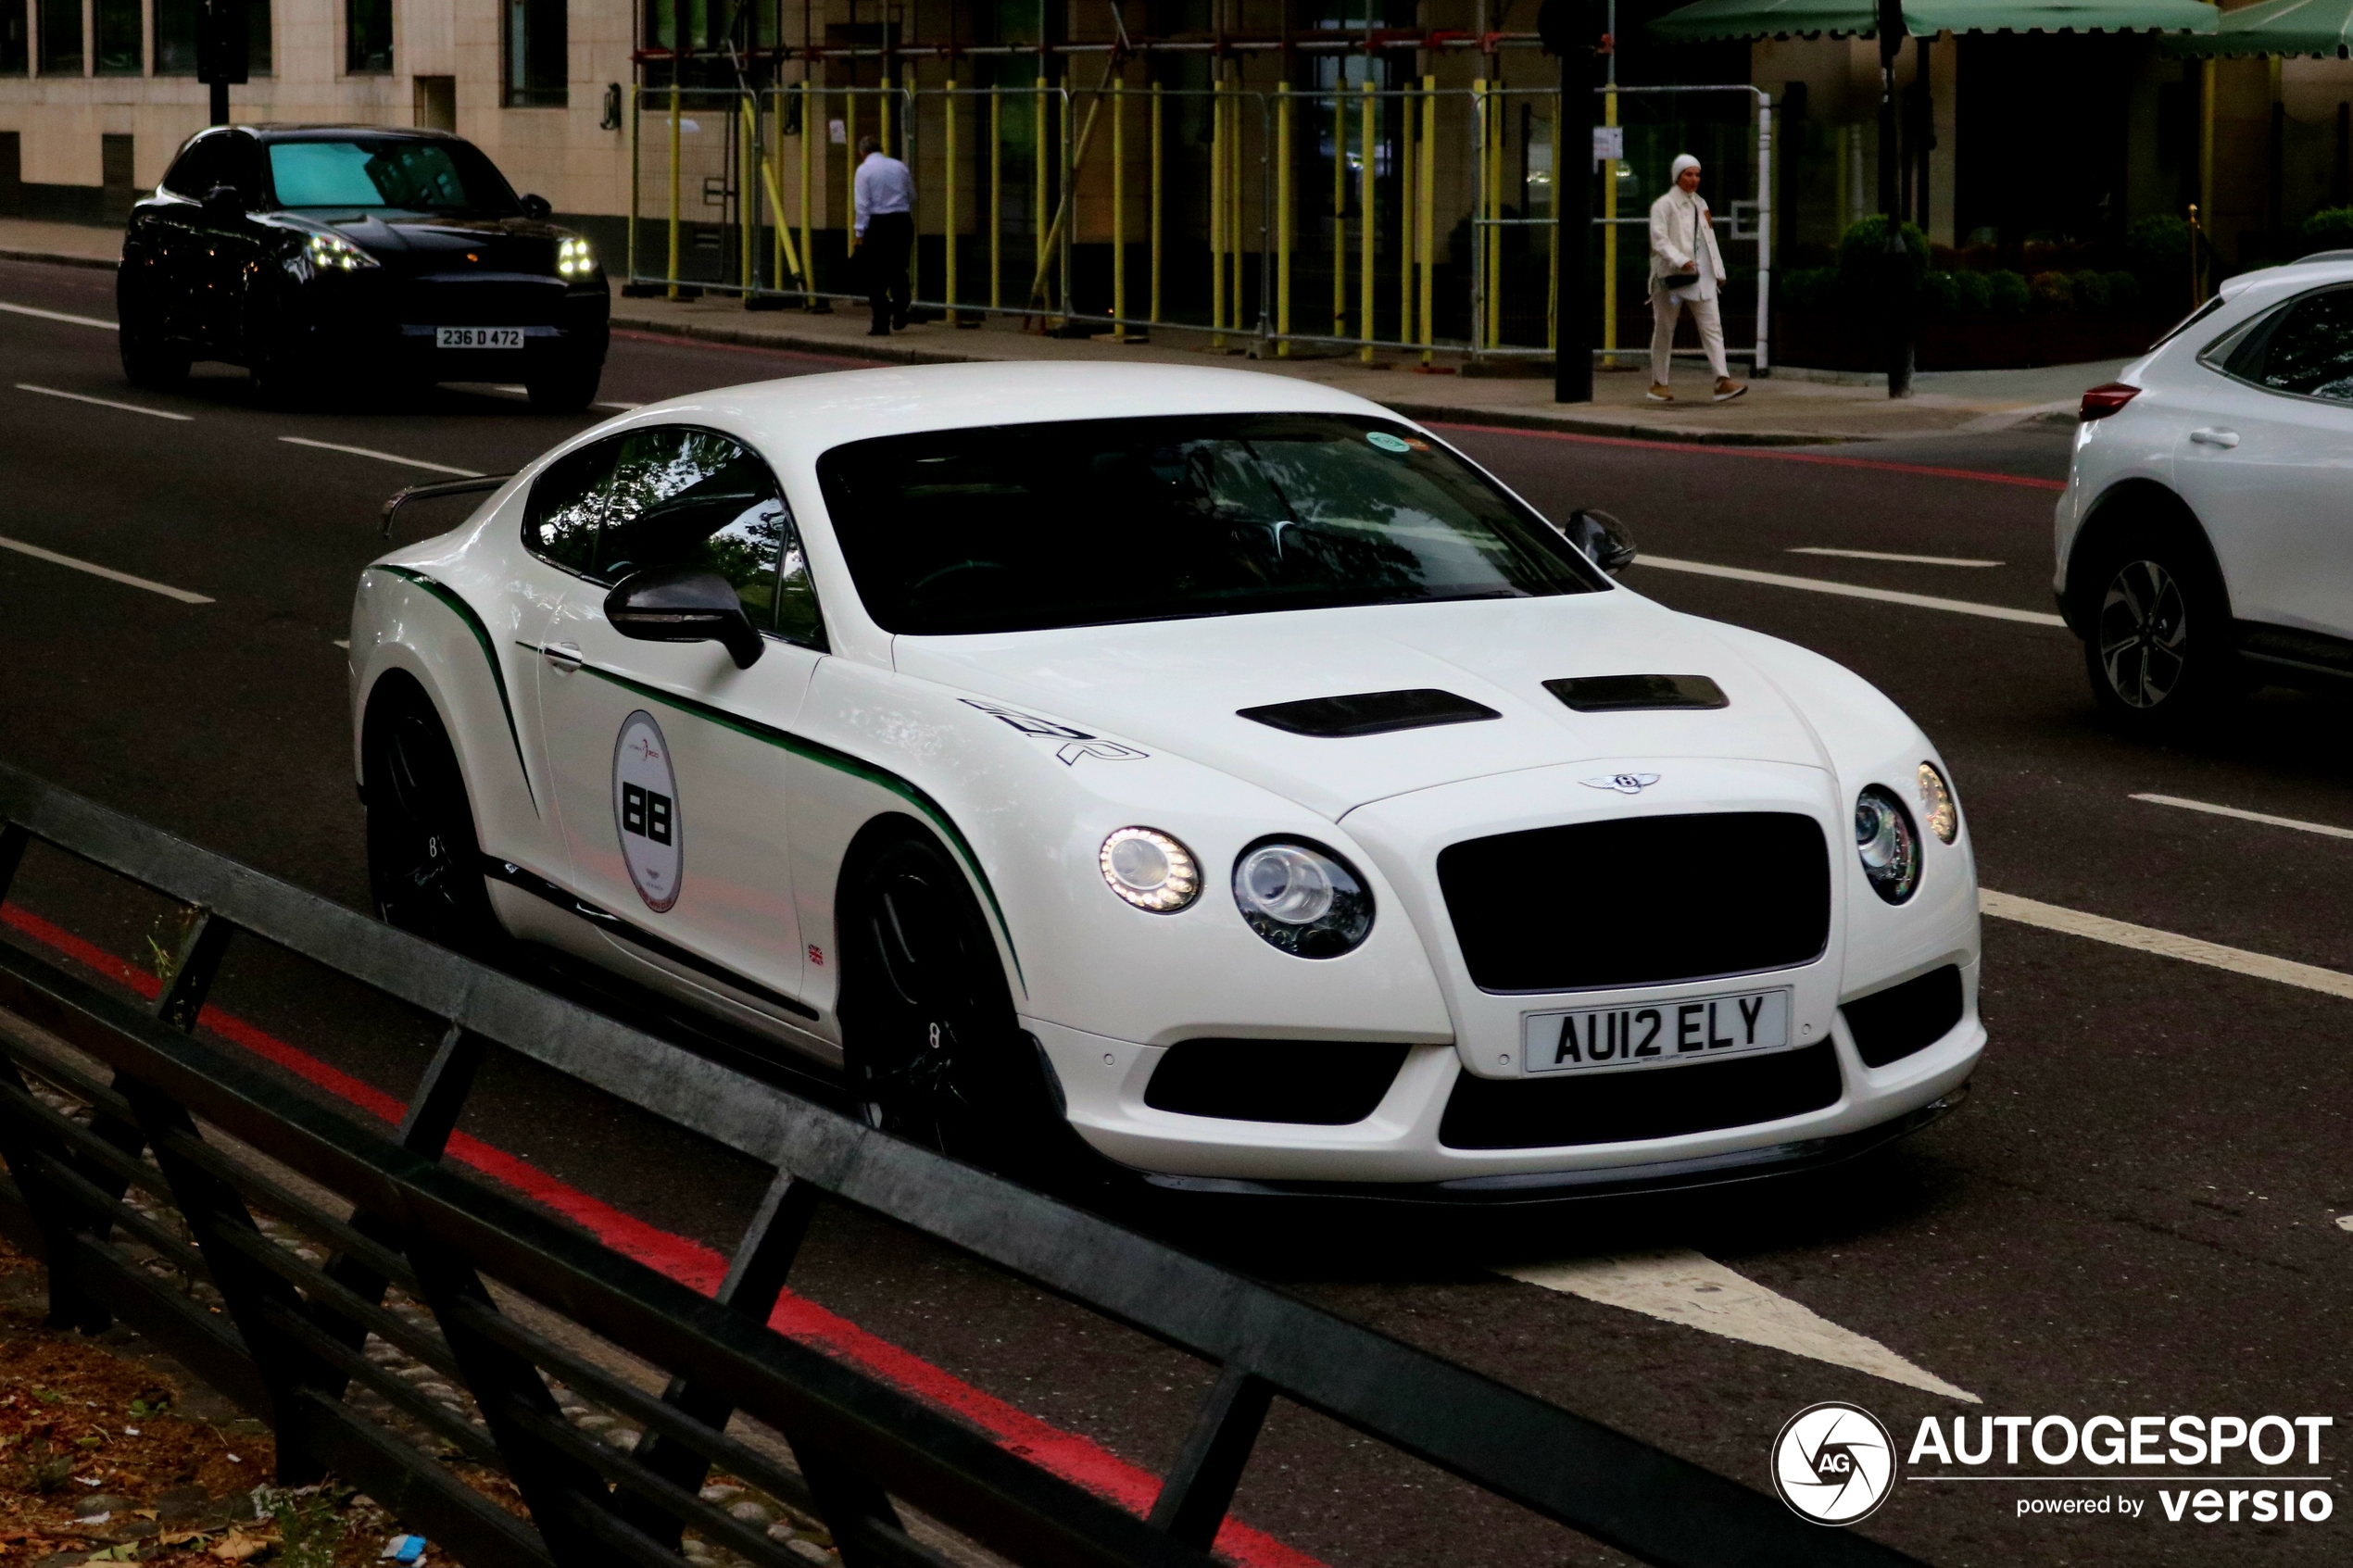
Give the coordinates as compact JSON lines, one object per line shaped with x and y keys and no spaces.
{"x":1023,"y":527}
{"x":392,"y":173}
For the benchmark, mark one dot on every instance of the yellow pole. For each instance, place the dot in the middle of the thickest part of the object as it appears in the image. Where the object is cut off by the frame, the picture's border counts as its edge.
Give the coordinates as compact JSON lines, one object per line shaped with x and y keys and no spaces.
{"x":1038,"y":201}
{"x":883,"y":106}
{"x":1609,"y":236}
{"x":1339,"y":209}
{"x":747,"y":196}
{"x":1494,"y":146}
{"x":1481,"y":283}
{"x":776,"y":202}
{"x":1407,"y":193}
{"x":996,"y":197}
{"x":948,"y":105}
{"x":1427,"y":248}
{"x":1364,"y":226}
{"x":673,"y":179}
{"x":1119,"y":208}
{"x":1217,"y":210}
{"x":1235,"y":231}
{"x":849,"y":170}
{"x":1282,"y":219}
{"x":809,"y":106}
{"x":773,"y":163}
{"x":1154,"y":312}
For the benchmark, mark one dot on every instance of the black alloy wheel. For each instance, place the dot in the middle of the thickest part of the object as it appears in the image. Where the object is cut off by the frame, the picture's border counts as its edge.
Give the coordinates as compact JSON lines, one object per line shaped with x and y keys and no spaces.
{"x":2159,"y":650}
{"x":931,"y":1045}
{"x":151,"y":364}
{"x":424,"y":862}
{"x":565,"y":389}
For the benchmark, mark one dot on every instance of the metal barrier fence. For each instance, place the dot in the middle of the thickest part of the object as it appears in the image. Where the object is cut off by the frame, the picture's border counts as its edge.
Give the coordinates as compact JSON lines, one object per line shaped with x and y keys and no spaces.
{"x":1231,"y":212}
{"x":200,"y":1133}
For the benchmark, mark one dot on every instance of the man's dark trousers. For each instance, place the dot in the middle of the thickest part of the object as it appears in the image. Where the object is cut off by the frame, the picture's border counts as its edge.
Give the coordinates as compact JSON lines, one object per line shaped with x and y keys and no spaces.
{"x":889,"y":236}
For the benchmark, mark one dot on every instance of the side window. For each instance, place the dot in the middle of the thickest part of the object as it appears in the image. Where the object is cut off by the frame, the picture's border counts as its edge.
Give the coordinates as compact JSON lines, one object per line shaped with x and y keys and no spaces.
{"x":681,"y":496}
{"x":2310,"y":354}
{"x":796,"y":616}
{"x":196,"y":170}
{"x":559,"y":523}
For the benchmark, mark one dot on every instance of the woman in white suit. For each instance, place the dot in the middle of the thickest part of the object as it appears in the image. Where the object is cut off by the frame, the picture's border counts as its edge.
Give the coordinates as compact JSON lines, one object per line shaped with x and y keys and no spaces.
{"x":1687,"y":271}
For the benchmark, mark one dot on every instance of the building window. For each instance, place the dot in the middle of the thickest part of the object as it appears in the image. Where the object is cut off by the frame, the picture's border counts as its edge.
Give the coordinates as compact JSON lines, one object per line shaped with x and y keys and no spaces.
{"x":367,"y":43}
{"x":61,"y":37}
{"x":121,"y":51}
{"x":538,"y":62}
{"x":13,"y":38}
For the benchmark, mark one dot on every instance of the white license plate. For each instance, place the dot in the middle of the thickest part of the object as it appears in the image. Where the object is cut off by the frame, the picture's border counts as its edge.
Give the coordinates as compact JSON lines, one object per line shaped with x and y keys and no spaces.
{"x":1654,"y":1034}
{"x":477,"y":337}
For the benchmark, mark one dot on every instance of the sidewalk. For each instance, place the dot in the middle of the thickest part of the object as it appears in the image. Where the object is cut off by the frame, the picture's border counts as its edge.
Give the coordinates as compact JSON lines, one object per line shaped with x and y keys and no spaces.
{"x":1789,"y":407}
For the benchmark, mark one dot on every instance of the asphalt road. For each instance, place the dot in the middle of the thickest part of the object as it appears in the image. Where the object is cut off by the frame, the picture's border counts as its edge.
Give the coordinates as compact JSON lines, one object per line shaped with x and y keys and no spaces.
{"x":2136,"y":1213}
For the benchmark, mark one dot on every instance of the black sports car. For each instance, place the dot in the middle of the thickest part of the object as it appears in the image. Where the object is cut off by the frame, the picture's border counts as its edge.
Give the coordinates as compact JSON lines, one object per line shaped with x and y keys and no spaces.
{"x":324,"y":257}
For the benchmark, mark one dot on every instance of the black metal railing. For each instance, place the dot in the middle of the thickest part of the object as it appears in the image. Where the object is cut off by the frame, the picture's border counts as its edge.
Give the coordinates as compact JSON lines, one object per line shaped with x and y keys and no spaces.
{"x":307,"y":1261}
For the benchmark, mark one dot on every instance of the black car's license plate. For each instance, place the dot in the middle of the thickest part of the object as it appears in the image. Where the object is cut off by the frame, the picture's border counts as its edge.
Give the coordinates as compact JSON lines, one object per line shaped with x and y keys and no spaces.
{"x":477,"y":337}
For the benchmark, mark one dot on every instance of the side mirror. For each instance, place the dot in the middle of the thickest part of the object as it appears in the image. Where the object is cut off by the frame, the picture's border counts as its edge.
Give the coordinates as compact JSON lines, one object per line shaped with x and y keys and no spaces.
{"x":224,"y":202}
{"x":1603,"y":538}
{"x":535,"y":206}
{"x":683,"y":604}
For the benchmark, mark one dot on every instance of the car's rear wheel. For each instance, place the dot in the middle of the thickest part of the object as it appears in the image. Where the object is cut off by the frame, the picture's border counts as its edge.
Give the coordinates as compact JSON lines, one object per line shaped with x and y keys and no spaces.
{"x":2160,"y":650}
{"x":565,"y":389}
{"x":424,"y":861}
{"x":931,"y":1045}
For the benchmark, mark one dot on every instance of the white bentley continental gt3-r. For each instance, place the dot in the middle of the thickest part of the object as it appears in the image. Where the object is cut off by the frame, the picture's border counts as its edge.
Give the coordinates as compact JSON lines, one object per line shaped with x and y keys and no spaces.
{"x":1212,"y":764}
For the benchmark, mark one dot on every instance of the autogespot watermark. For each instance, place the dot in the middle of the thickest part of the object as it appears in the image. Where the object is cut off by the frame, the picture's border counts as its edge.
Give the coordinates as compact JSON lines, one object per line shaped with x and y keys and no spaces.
{"x":1834,"y":1463}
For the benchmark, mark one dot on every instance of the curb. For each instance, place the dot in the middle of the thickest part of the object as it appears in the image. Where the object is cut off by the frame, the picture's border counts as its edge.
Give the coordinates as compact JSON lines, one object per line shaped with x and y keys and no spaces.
{"x":55,"y":259}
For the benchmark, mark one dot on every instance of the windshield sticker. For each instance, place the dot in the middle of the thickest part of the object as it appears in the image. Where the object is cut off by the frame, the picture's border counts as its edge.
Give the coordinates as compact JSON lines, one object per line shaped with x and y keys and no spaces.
{"x":1389,"y":443}
{"x":644,"y":810}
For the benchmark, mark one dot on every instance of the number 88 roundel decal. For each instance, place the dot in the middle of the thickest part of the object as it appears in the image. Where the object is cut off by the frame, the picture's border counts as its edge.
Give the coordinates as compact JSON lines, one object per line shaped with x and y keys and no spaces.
{"x":644,"y":810}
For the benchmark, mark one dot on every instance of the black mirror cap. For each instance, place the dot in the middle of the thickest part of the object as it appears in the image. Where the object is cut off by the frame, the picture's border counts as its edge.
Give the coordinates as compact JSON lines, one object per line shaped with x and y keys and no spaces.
{"x":536,"y":207}
{"x":683,"y":604}
{"x":1603,"y":538}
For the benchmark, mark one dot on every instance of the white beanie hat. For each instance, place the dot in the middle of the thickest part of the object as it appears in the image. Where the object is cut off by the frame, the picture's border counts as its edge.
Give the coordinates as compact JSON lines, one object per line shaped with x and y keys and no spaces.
{"x":1681,"y":163}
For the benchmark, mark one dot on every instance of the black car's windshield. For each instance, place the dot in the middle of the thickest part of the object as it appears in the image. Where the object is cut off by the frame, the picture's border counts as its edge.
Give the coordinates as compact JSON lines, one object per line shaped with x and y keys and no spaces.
{"x":1023,"y":527}
{"x":390,"y":173}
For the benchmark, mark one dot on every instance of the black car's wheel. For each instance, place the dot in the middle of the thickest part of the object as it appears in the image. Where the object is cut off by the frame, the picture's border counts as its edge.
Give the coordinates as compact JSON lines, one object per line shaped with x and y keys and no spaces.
{"x":565,"y":389}
{"x":424,"y":863}
{"x":157,"y":366}
{"x":2160,"y":650}
{"x":931,"y":1045}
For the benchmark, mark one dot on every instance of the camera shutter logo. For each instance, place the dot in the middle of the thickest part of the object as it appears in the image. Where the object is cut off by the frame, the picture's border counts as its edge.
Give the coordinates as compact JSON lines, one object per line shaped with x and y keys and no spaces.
{"x":1833,"y":1463}
{"x":644,"y":810}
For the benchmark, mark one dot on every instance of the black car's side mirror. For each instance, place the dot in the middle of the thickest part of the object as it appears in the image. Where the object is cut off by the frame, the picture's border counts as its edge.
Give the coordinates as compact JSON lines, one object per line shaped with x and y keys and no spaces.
{"x":535,"y":206}
{"x":683,"y":604}
{"x":224,"y":201}
{"x":1603,"y":538}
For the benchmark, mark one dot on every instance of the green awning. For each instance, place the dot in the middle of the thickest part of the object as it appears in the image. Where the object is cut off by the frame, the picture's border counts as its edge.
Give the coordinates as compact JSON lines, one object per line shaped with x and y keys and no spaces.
{"x":2277,"y":27}
{"x":1710,"y":19}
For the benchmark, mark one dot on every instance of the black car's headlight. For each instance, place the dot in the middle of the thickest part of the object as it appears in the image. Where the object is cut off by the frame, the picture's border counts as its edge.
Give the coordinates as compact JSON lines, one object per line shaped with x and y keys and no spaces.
{"x":1302,"y":898}
{"x":573,"y":259}
{"x":333,"y":253}
{"x":1888,"y":843}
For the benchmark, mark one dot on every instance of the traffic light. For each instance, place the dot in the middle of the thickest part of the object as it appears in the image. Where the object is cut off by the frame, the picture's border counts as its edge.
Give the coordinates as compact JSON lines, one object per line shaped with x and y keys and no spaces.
{"x":223,"y":55}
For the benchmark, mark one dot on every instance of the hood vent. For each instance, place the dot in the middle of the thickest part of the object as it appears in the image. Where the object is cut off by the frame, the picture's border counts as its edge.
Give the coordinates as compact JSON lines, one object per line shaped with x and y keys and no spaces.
{"x":1370,"y":713}
{"x":1626,"y":694}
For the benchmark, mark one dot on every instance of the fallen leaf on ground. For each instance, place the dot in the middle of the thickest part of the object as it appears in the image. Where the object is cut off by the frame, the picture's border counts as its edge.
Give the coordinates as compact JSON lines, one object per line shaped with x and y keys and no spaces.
{"x":238,"y":1545}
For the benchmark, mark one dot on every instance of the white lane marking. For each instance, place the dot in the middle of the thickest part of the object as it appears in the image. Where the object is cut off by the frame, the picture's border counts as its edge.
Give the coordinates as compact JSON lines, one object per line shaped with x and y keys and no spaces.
{"x":343,"y":642}
{"x":2165,"y":944}
{"x":1685,"y":1288}
{"x":618,"y":407}
{"x":60,"y":316}
{"x":2345,"y":1221}
{"x":2265,"y":818}
{"x":1853,"y":591}
{"x":103,"y":402}
{"x":110,"y":573}
{"x":381,"y":456}
{"x":1888,"y":555}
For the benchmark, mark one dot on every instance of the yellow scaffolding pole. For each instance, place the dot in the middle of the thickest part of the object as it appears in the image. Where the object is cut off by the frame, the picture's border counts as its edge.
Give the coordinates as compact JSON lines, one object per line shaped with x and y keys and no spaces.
{"x":1154,"y":312}
{"x":1364,"y":225}
{"x":849,"y":171}
{"x":1609,"y":237}
{"x":672,"y":274}
{"x":1234,"y":232}
{"x":1217,"y":210}
{"x":883,"y":106}
{"x":1491,"y":144}
{"x":948,"y":221}
{"x":808,"y":154}
{"x":1426,"y":247}
{"x":773,"y":159}
{"x":996,"y":197}
{"x":1481,"y":283}
{"x":1407,"y":193}
{"x":1037,"y":199}
{"x":1339,"y":208}
{"x":767,"y":176}
{"x":1282,"y":219}
{"x":636,"y":176}
{"x":1119,"y":208}
{"x":747,"y":196}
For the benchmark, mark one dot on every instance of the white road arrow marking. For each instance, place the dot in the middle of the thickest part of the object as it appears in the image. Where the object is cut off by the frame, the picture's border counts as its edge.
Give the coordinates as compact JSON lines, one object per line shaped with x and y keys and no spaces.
{"x":1682,"y":1286}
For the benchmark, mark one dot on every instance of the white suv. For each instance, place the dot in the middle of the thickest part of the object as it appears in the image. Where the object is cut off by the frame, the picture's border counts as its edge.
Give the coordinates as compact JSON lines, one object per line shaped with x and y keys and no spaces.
{"x":2205,"y":539}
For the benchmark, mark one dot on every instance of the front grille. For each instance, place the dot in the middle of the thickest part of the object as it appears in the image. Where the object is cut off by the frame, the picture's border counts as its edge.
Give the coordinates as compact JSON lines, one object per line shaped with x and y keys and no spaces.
{"x":1318,"y":1082}
{"x":1638,"y":900}
{"x":481,"y":302}
{"x":1889,"y":1026}
{"x":1660,"y":1102}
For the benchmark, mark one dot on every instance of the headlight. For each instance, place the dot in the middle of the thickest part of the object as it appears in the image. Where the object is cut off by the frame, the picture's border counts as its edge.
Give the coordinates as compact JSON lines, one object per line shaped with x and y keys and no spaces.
{"x":1936,"y":805}
{"x":333,"y":253}
{"x":1149,"y":869}
{"x":1888,"y":843}
{"x":573,"y":259}
{"x":1302,"y":898}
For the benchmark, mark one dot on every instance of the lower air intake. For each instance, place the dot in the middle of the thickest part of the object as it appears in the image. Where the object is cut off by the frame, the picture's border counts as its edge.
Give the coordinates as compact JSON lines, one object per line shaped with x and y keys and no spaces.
{"x":1661,"y":1102}
{"x":1889,"y":1026}
{"x":1317,"y":1083}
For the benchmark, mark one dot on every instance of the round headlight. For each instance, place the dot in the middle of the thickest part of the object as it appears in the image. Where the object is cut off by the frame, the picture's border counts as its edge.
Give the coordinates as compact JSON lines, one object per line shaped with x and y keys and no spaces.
{"x":1149,"y":869}
{"x":1936,"y":805}
{"x":1888,"y":843}
{"x":1302,"y":898}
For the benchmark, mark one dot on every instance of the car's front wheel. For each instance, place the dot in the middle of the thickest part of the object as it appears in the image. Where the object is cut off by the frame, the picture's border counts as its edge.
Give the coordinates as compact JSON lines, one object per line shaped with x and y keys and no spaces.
{"x":931,"y":1045}
{"x":150,"y":363}
{"x":424,"y":862}
{"x":2159,"y":652}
